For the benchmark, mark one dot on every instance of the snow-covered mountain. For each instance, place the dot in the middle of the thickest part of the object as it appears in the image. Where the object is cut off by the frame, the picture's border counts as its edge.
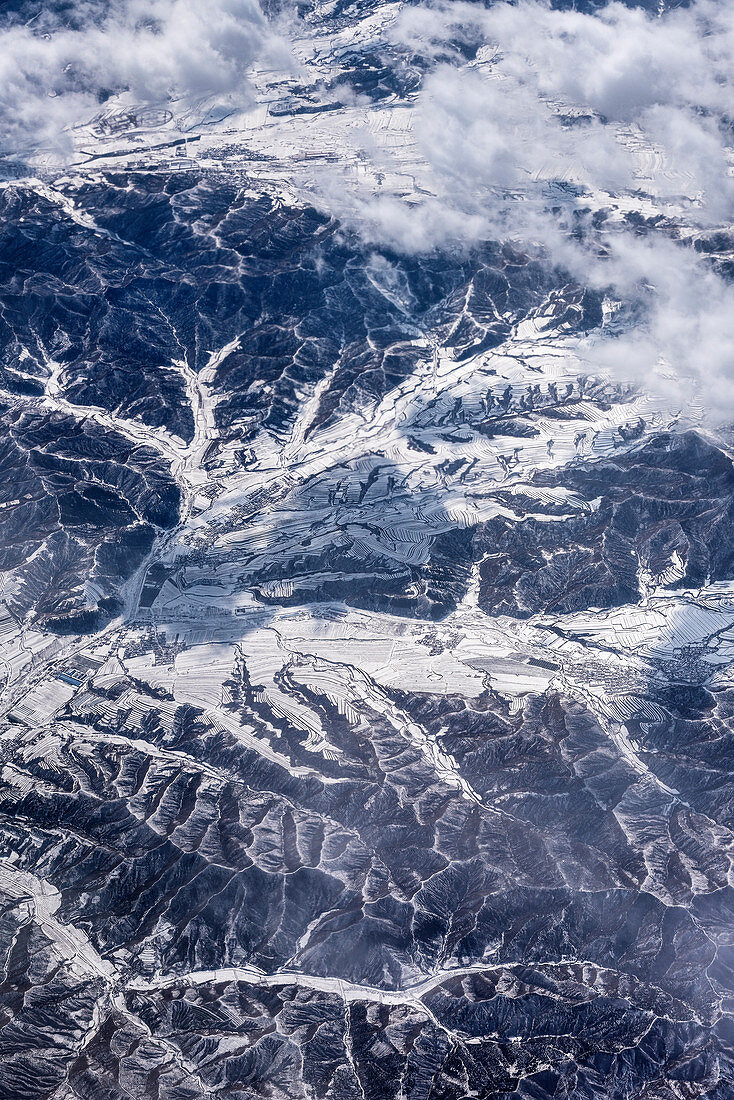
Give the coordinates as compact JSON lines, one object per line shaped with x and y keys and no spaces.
{"x":366,"y":551}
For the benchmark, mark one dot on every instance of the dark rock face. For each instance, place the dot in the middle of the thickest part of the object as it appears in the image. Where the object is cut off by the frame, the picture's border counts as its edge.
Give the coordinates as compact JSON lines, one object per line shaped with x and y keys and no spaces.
{"x":409,"y":893}
{"x":83,"y":504}
{"x":447,"y":896}
{"x":174,"y":266}
{"x":106,"y":315}
{"x":672,"y":495}
{"x":551,"y":895}
{"x":87,"y":300}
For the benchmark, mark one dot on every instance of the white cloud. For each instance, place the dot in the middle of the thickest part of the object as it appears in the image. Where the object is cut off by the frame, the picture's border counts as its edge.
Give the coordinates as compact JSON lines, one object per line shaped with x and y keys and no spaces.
{"x":633,"y":111}
{"x":683,"y":344}
{"x":480,"y":129}
{"x":560,"y":113}
{"x":654,"y":94}
{"x":615,"y":102}
{"x":151,"y":49}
